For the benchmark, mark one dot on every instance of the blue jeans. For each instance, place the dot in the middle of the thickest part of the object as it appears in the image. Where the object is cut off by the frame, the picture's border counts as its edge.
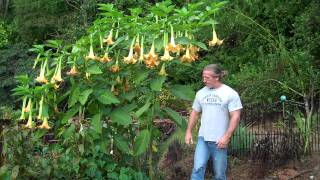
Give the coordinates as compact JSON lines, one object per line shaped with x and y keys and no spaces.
{"x":204,"y":150}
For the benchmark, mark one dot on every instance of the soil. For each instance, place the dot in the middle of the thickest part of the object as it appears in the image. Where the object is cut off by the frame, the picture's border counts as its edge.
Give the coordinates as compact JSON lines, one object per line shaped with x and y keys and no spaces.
{"x":178,"y":161}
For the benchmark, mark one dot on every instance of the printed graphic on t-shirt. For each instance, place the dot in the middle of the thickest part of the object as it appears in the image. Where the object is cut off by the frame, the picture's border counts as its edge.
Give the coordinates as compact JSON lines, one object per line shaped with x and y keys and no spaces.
{"x":212,"y":99}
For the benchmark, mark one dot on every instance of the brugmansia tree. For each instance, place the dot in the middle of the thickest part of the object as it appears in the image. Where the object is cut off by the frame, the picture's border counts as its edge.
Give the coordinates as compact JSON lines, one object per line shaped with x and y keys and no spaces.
{"x":106,"y":86}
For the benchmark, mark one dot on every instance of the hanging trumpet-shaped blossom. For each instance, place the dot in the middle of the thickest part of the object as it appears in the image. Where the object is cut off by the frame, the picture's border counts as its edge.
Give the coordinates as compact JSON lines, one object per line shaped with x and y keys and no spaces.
{"x":194,"y":52}
{"x":117,"y":32}
{"x":30,"y":122}
{"x":40,"y":108}
{"x":166,"y":56}
{"x":137,"y":47}
{"x":24,"y":102}
{"x":41,"y":78}
{"x":101,"y":41}
{"x":141,"y":57}
{"x":115,"y":68}
{"x":118,"y":80}
{"x":57,"y":75}
{"x":27,"y":109}
{"x":163,"y":70}
{"x":109,"y":40}
{"x":130,"y":59}
{"x":73,"y":71}
{"x":114,"y":90}
{"x":151,"y":59}
{"x":172,"y":47}
{"x":106,"y":57}
{"x":91,"y":53}
{"x":186,"y":58}
{"x":45,"y":124}
{"x":215,"y":40}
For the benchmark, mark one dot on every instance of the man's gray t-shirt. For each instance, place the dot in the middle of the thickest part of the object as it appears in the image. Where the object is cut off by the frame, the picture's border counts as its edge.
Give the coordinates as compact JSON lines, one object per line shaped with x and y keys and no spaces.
{"x":215,"y":105}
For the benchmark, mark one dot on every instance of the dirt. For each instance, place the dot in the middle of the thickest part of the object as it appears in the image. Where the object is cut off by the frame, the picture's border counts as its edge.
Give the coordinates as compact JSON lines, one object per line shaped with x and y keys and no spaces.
{"x":308,"y":167}
{"x":177,"y":164}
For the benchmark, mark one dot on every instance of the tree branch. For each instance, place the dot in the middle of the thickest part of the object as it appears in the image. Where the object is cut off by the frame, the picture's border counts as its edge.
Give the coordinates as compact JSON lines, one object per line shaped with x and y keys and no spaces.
{"x":282,"y":84}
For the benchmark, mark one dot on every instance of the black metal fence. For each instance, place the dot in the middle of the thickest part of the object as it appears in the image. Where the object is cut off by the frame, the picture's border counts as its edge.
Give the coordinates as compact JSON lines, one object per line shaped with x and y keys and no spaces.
{"x":276,"y":126}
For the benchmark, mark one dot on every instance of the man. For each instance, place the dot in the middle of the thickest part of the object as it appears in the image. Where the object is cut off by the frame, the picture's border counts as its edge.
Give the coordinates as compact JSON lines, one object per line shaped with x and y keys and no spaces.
{"x":220,"y":108}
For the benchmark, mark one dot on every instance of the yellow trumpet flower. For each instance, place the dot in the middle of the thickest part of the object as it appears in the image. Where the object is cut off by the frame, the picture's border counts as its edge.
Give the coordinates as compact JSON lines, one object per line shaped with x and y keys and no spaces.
{"x":91,"y":54}
{"x":57,"y":75}
{"x":30,"y":122}
{"x":23,"y":108}
{"x":41,"y":78}
{"x":194,"y":52}
{"x":109,"y":40}
{"x":141,"y":57}
{"x":130,"y":59}
{"x":137,"y":47}
{"x":113,"y":90}
{"x":166,"y":56}
{"x":45,"y":124}
{"x":87,"y":75}
{"x":28,"y":108}
{"x":163,"y":70}
{"x":172,"y":47}
{"x":40,"y":107}
{"x":105,"y":58}
{"x":117,"y":32}
{"x":115,"y":68}
{"x":215,"y":40}
{"x":151,"y":59}
{"x":118,"y":80}
{"x":187,"y":58}
{"x":73,"y":71}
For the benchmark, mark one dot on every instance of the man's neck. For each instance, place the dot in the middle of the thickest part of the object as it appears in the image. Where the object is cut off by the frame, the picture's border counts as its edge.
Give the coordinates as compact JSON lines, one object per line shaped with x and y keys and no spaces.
{"x":216,"y":86}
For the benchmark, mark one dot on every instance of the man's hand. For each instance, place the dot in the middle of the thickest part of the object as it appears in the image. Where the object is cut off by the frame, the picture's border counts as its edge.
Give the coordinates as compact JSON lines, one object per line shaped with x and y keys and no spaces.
{"x":223,"y":142}
{"x":188,"y":138}
{"x":234,"y":121}
{"x":192,"y":119}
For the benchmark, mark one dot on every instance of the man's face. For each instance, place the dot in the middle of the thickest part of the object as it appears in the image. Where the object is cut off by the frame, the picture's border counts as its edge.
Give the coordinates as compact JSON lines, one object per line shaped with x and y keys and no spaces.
{"x":210,"y":79}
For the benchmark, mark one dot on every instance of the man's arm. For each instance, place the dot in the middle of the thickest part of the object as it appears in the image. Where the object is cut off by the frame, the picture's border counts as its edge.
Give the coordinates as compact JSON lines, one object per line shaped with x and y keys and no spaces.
{"x":234,"y":121}
{"x":192,"y":120}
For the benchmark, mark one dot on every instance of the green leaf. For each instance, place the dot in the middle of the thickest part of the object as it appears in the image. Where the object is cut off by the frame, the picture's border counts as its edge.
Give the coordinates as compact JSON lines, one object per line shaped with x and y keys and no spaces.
{"x":200,"y":44}
{"x":183,"y":40}
{"x":74,"y":97}
{"x":129,"y":95}
{"x":182,"y":91}
{"x":69,"y":114}
{"x":158,"y":44}
{"x":106,"y":97}
{"x":69,"y":132}
{"x":122,"y":144}
{"x":94,"y":69}
{"x":142,"y":75}
{"x":143,"y":109}
{"x":142,"y":142}
{"x":96,"y":123}
{"x":156,"y":84}
{"x":121,"y":116}
{"x":84,"y":96}
{"x":119,"y":40}
{"x":176,"y":118}
{"x":105,"y":7}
